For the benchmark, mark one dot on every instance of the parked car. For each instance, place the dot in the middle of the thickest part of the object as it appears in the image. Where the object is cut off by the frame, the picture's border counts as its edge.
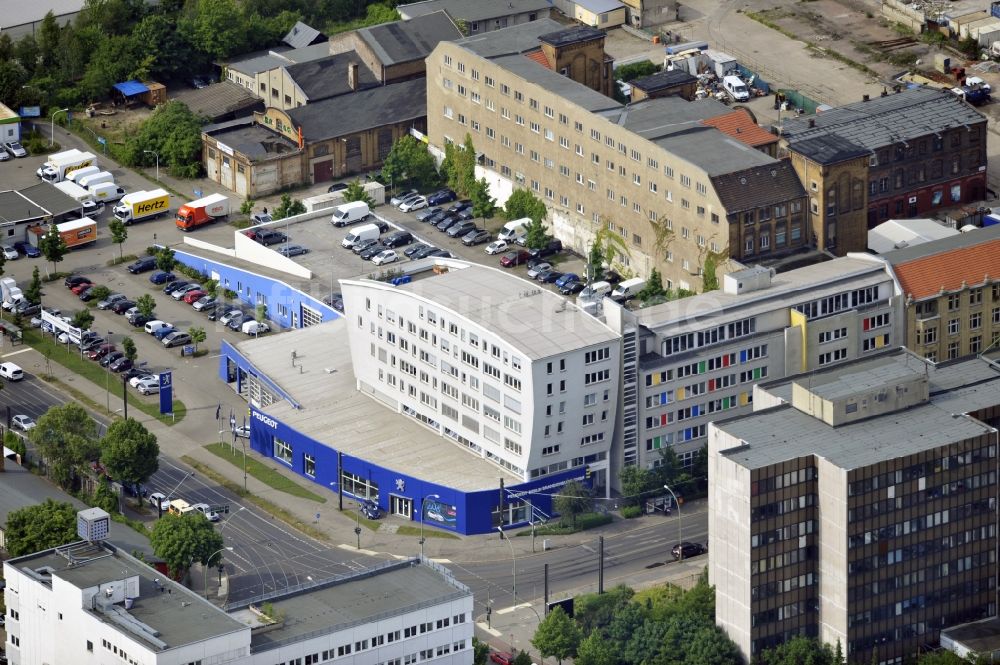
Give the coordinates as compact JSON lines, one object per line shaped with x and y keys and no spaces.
{"x":443,"y":253}
{"x":139,"y":375}
{"x":370,"y":252}
{"x":138,"y":319}
{"x":427,"y":212}
{"x":383,"y":227}
{"x":73,"y":280}
{"x":255,"y":327}
{"x":23,"y":422}
{"x":572,"y":287}
{"x":87,"y":294}
{"x":15,"y":148}
{"x":179,"y":293}
{"x":80,"y":288}
{"x":145,"y":264}
{"x":176,"y":338}
{"x":101,"y":351}
{"x":122,"y":306}
{"x":611,"y":277}
{"x":198,"y":82}
{"x":476,"y":237}
{"x":27,"y":249}
{"x":402,"y":196}
{"x":268,"y":237}
{"x":567,"y":278}
{"x":461,"y":228}
{"x":111,"y":357}
{"x":233,"y":313}
{"x":515,"y":258}
{"x":161,"y":277}
{"x":496,"y":247}
{"x":120,"y":365}
{"x":336,"y":187}
{"x":9,"y":253}
{"x":415,"y":203}
{"x":538,"y":268}
{"x":242,"y":431}
{"x":336,"y":301}
{"x":436,"y":218}
{"x":686,"y":550}
{"x":423,"y":253}
{"x":110,"y":301}
{"x":163,"y":332}
{"x":235,"y":322}
{"x":549,"y":276}
{"x":25,"y":308}
{"x":554,"y":246}
{"x":4,"y":155}
{"x":441,"y":196}
{"x":292,"y":250}
{"x":91,"y":344}
{"x":370,"y":509}
{"x":159,"y":501}
{"x":413,"y":249}
{"x":362,"y":245}
{"x":148,"y":385}
{"x":203,"y":303}
{"x":174,"y":284}
{"x":448,"y":222}
{"x":217,"y":312}
{"x":260,"y":218}
{"x":154,"y":325}
{"x":461,"y":206}
{"x":397,"y":239}
{"x":385,"y":256}
{"x":193,"y":296}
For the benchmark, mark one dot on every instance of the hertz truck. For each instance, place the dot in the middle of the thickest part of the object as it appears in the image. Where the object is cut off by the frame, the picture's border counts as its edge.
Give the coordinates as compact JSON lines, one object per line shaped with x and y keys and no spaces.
{"x":140,"y":206}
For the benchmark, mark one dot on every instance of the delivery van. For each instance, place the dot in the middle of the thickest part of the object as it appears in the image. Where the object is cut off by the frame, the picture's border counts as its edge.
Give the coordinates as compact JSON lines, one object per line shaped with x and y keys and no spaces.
{"x":79,"y":174}
{"x":89,"y":181}
{"x":106,"y":192}
{"x":736,"y":88}
{"x":628,"y":289}
{"x":511,"y":230}
{"x":595,"y":291}
{"x":364,"y":232}
{"x":179,"y":507}
{"x":350,"y":213}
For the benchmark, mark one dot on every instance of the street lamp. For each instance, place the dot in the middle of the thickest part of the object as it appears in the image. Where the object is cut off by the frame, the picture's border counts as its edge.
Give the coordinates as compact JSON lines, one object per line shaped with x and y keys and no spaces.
{"x":208,"y":563}
{"x":422,"y":502}
{"x":52,"y":129}
{"x":680,"y":556}
{"x":513,"y":559}
{"x":153,"y":152}
{"x":107,"y":379}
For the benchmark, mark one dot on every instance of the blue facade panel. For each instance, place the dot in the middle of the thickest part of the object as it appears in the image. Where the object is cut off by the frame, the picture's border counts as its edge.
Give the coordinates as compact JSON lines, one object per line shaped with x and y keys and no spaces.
{"x":284,"y":302}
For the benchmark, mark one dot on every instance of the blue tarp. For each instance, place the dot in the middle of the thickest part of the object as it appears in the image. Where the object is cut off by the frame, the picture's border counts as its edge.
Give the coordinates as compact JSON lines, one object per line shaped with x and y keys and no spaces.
{"x":131,"y":88}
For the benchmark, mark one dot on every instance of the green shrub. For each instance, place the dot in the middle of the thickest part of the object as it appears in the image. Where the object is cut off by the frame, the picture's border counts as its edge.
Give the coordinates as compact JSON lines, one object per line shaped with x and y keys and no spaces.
{"x":630,"y":512}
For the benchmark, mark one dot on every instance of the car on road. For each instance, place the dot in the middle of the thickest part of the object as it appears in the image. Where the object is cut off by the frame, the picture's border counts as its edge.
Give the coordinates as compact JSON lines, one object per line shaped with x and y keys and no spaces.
{"x":176,"y":338}
{"x":11,"y":372}
{"x":538,"y":268}
{"x":255,"y":327}
{"x":231,"y":313}
{"x":110,"y":301}
{"x":148,"y":385}
{"x":207,"y":511}
{"x":9,"y":253}
{"x":122,"y":306}
{"x":336,"y":187}
{"x":27,"y":249}
{"x":515,"y":258}
{"x":205,"y":302}
{"x":174,"y":284}
{"x":191,"y":297}
{"x":145,"y":264}
{"x":23,"y":422}
{"x":163,"y":332}
{"x":476,"y":237}
{"x":413,"y":204}
{"x":402,"y":196}
{"x":121,"y":365}
{"x":292,"y":250}
{"x":686,"y":550}
{"x":161,"y":277}
{"x":441,"y":196}
{"x":502,"y":657}
{"x":159,"y":500}
{"x":180,"y":292}
{"x":268,"y":237}
{"x":397,"y":239}
{"x":427,"y":212}
{"x":15,"y":148}
{"x":496,"y":247}
{"x":111,"y":357}
{"x":73,"y":280}
{"x":385,"y":256}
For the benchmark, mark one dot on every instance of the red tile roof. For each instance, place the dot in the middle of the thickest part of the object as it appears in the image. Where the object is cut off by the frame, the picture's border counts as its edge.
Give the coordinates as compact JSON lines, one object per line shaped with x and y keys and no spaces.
{"x":740,"y":125}
{"x":929,"y":275}
{"x":538,"y":57}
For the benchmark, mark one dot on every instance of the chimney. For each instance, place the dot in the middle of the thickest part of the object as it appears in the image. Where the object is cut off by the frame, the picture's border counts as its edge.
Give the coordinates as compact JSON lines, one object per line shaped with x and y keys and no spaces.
{"x":352,"y":76}
{"x":812,"y":122}
{"x":864,"y":98}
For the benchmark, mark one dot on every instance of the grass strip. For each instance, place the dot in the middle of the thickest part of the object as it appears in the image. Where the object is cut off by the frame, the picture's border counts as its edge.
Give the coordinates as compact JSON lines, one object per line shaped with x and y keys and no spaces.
{"x":265,"y":474}
{"x":408,"y":530}
{"x":583,"y":522}
{"x":356,"y":516}
{"x":69,"y":357}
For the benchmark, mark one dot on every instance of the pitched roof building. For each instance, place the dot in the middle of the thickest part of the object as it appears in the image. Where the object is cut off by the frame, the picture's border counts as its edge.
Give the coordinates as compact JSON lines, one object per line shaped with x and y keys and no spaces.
{"x":479,"y":16}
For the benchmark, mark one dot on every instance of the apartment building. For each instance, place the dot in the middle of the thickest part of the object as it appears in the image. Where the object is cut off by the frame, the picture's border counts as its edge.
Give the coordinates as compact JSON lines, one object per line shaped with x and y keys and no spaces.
{"x":699,"y":358}
{"x":509,"y":372}
{"x":906,"y":154}
{"x":106,"y":606}
{"x":598,"y":164}
{"x":857,"y":504}
{"x":951,"y":289}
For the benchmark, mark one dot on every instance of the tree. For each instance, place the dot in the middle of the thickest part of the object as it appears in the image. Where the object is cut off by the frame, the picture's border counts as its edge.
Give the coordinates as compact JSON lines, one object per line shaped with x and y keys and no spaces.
{"x":174,"y":133}
{"x":537,"y":235}
{"x":104,"y":497}
{"x":66,"y":436}
{"x":15,"y":443}
{"x":356,"y":192}
{"x":409,"y":163}
{"x":573,"y":500}
{"x":246,"y":208}
{"x":522,"y":203}
{"x":130,"y":452}
{"x":40,"y":527}
{"x":288,"y":208}
{"x":595,"y":263}
{"x":942,"y":657}
{"x":593,"y":611}
{"x":33,"y":293}
{"x":180,"y":540}
{"x":522,"y":658}
{"x":165,"y":259}
{"x":557,"y":635}
{"x":798,"y":651}
{"x":48,"y":41}
{"x":211,"y":287}
{"x":483,"y":205}
{"x":260,"y":312}
{"x":52,"y":246}
{"x":82,"y":319}
{"x":146,"y":305}
{"x":480,"y":652}
{"x":596,"y":650}
{"x":612,"y":245}
{"x":653,"y":290}
{"x":197,"y":336}
{"x":119,"y":234}
{"x":635,"y":481}
{"x":128,"y":348}
{"x":99,"y":293}
{"x":462,"y":171}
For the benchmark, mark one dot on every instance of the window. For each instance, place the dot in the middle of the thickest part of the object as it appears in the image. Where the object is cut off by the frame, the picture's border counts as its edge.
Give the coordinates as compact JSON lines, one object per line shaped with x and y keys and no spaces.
{"x":309,"y":465}
{"x":282,"y":451}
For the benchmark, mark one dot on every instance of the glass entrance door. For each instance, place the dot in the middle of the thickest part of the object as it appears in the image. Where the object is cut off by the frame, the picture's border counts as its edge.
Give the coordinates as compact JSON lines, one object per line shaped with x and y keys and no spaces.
{"x":400,"y":505}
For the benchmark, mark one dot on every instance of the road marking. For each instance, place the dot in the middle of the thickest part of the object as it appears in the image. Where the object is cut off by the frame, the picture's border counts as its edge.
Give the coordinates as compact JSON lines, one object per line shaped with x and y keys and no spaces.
{"x":440,"y":560}
{"x":14,"y":353}
{"x":513,"y":608}
{"x":345,"y":546}
{"x":492,"y":631}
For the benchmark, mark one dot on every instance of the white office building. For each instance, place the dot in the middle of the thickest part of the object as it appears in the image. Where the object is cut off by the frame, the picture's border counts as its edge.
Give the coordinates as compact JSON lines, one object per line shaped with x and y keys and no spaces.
{"x":698,"y":358}
{"x":88,"y":603}
{"x":509,"y":371}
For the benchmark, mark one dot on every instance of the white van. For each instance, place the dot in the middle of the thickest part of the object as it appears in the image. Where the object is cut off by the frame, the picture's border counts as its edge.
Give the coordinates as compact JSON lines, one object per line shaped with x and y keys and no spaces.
{"x":736,"y":88}
{"x":76,"y":176}
{"x":595,"y":291}
{"x":88,"y":182}
{"x":350,"y":213}
{"x":11,"y":372}
{"x":106,"y":192}
{"x":511,"y":230}
{"x":363,"y":232}
{"x":628,"y":289}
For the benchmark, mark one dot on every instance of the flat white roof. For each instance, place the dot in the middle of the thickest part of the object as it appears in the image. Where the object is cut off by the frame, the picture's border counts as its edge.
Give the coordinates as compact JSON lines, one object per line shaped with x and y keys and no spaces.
{"x":899,"y":233}
{"x":333,"y":411}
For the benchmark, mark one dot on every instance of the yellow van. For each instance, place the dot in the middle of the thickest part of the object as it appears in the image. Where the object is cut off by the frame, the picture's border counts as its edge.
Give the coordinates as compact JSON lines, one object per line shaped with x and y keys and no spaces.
{"x":179,"y":507}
